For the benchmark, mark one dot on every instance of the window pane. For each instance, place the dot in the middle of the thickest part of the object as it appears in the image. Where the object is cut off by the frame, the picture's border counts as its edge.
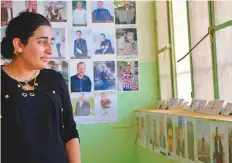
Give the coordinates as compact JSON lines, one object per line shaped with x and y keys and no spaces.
{"x":162,"y":24}
{"x":184,"y":85}
{"x":201,"y":55}
{"x":181,"y":48}
{"x":223,"y":11}
{"x":165,"y":75}
{"x":224,"y":60}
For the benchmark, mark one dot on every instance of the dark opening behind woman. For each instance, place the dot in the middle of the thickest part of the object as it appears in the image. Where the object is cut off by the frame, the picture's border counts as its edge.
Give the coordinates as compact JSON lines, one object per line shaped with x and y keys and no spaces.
{"x":37,"y":121}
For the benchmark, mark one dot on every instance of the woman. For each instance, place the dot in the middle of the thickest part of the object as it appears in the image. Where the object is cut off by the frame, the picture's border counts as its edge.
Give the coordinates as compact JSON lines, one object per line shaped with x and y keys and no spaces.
{"x":37,"y":120}
{"x":53,"y":12}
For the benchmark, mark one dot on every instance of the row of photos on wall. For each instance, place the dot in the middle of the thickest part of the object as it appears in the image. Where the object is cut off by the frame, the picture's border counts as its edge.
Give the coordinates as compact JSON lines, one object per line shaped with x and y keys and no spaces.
{"x":185,"y":139}
{"x":95,"y":48}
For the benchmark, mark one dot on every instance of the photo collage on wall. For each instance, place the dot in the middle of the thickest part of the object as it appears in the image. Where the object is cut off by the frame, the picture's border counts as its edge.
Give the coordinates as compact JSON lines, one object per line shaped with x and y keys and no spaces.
{"x":185,"y":139}
{"x":95,"y":49}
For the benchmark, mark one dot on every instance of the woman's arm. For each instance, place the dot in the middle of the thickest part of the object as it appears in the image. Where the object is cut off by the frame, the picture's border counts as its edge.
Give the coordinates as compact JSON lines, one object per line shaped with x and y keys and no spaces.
{"x":70,"y":133}
{"x":73,"y":150}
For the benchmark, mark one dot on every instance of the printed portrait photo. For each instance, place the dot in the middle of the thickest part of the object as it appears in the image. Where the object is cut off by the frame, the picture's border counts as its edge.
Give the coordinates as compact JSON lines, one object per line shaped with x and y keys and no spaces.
{"x":61,"y":67}
{"x":81,"y":75}
{"x":79,"y":13}
{"x":126,"y":42}
{"x":149,"y":131}
{"x":229,"y":129}
{"x":162,"y":135}
{"x":102,"y":12}
{"x":203,"y":141}
{"x":140,"y":136}
{"x":180,"y":137}
{"x":218,"y":143}
{"x":104,"y":75}
{"x":6,"y":12}
{"x":80,"y":43}
{"x":190,"y":140}
{"x":58,"y":47}
{"x":128,"y":76}
{"x":106,"y":106}
{"x":55,"y":11}
{"x":103,"y":40}
{"x":170,"y":136}
{"x":31,"y":6}
{"x":155,"y":125}
{"x":3,"y":34}
{"x":125,"y":12}
{"x":83,"y":104}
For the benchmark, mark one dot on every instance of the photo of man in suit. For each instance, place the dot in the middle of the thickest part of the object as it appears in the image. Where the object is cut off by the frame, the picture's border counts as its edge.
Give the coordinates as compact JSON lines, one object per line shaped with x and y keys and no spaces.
{"x":101,"y":14}
{"x":80,"y":46}
{"x":180,"y":142}
{"x":80,"y":82}
{"x":125,"y":14}
{"x":105,"y":45}
{"x":82,"y":107}
{"x":6,"y":12}
{"x":230,"y":145}
{"x":218,"y":148}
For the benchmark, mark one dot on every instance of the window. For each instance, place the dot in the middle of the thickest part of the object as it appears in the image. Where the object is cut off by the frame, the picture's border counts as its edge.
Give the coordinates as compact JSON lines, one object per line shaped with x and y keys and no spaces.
{"x":201,"y":55}
{"x":223,"y":13}
{"x":181,"y":48}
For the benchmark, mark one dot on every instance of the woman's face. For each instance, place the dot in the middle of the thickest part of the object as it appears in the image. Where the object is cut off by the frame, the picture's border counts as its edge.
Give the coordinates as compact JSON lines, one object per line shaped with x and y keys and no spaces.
{"x":37,"y":52}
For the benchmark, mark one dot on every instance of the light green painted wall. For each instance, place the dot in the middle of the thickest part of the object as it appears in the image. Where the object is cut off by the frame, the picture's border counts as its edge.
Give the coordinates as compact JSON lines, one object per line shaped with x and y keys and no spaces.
{"x":115,"y":142}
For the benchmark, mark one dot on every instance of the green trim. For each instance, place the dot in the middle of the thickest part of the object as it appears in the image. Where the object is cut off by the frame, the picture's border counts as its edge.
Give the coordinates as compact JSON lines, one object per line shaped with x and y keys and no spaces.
{"x":213,"y":50}
{"x":163,"y":49}
{"x":223,"y":25}
{"x":172,"y":49}
{"x":157,"y":73}
{"x":190,"y":54}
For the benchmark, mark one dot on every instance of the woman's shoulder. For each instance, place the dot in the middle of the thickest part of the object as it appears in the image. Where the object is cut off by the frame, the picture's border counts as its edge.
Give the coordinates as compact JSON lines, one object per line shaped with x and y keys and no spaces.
{"x":50,"y":74}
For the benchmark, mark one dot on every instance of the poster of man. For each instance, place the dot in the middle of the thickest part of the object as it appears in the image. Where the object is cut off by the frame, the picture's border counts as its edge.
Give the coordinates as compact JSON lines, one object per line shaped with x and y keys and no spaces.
{"x":81,"y":76}
{"x":128,"y":76}
{"x":180,"y":138}
{"x":170,"y":137}
{"x":155,"y":129}
{"x":79,"y":13}
{"x":218,"y":143}
{"x":126,"y":42}
{"x":80,"y":43}
{"x":61,"y":67}
{"x":149,"y":131}
{"x":55,"y":11}
{"x":229,"y":129}
{"x":58,"y":47}
{"x":105,"y":106}
{"x":102,"y":12}
{"x":103,"y":40}
{"x":203,"y":141}
{"x":191,"y":154}
{"x":162,"y":135}
{"x":6,"y":12}
{"x":31,"y":6}
{"x":125,"y":12}
{"x":104,"y":75}
{"x":140,"y":137}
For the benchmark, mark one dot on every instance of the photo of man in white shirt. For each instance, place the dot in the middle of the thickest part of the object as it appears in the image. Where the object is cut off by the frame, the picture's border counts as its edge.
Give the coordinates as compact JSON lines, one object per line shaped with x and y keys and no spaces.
{"x":79,"y":14}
